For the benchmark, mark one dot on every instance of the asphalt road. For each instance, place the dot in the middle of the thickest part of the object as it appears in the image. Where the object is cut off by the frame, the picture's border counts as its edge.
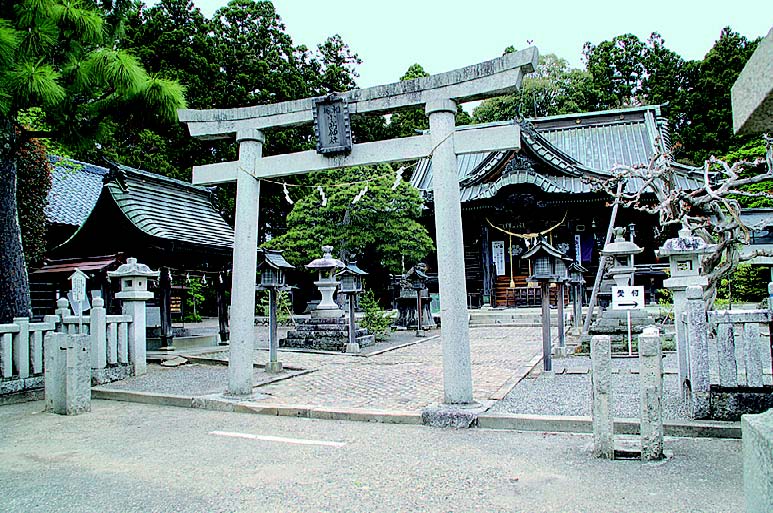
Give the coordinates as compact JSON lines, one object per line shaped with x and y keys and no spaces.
{"x":125,"y":457}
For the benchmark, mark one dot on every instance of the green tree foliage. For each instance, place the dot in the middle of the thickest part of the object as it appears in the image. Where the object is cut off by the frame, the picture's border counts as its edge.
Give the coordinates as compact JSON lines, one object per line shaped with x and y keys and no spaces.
{"x":53,"y":56}
{"x":381,"y":229}
{"x":709,"y":111}
{"x":553,"y":88}
{"x":747,"y":283}
{"x":617,"y":68}
{"x":412,"y":120}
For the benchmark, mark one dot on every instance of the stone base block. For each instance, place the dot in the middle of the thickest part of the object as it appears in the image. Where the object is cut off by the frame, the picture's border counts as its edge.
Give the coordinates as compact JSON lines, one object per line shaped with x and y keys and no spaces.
{"x":731,"y":403}
{"x":327,"y":314}
{"x":110,"y":374}
{"x":353,"y":348}
{"x":758,"y":461}
{"x":273,"y":367}
{"x":451,"y":416}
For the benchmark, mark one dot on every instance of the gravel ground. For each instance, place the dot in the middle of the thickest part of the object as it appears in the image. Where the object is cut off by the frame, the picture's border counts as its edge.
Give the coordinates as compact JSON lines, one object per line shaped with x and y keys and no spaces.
{"x":568,"y":392}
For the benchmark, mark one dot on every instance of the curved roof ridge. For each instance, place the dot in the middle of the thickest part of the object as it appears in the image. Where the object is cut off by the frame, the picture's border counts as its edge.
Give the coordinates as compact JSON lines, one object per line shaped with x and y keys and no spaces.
{"x":544,"y":149}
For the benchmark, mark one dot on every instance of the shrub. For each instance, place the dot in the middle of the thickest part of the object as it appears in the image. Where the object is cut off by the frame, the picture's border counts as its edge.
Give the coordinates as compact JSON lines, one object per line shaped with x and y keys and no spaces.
{"x":376,"y":320}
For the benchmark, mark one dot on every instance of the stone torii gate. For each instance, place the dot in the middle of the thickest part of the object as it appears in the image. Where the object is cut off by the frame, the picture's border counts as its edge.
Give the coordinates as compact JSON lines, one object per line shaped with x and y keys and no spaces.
{"x":439,"y":94}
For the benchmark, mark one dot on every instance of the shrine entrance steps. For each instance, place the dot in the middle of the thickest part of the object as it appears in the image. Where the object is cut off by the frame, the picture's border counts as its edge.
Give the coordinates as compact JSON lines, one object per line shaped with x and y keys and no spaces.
{"x":519,"y":317}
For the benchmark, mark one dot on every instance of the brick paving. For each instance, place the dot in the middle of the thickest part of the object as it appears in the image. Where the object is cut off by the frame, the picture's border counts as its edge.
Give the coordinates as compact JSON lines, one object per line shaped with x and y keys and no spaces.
{"x":408,"y":378}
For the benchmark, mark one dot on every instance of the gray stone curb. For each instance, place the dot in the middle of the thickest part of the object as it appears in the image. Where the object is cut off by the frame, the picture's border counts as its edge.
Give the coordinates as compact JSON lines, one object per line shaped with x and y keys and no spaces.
{"x":219,"y":403}
{"x":515,"y":422}
{"x":583,"y":424}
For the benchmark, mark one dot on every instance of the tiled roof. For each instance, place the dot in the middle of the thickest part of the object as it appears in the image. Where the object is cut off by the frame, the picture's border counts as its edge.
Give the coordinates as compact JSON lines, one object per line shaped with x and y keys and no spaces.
{"x":570,"y":147}
{"x":168,"y":208}
{"x":75,"y":188}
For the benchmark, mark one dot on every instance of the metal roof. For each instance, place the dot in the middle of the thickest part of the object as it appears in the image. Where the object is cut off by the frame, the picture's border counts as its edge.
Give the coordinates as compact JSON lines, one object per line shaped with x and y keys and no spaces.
{"x":169,"y":209}
{"x":562,"y":150}
{"x":86,"y":264}
{"x":75,"y":188}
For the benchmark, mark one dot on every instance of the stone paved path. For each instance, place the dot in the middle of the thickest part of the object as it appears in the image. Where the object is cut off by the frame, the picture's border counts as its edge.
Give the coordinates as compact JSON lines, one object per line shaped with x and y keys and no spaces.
{"x":408,"y":378}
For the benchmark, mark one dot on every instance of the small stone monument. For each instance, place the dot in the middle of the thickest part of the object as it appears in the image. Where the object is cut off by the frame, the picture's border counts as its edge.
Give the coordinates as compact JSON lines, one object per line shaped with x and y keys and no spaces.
{"x":134,"y":294}
{"x":67,"y":373}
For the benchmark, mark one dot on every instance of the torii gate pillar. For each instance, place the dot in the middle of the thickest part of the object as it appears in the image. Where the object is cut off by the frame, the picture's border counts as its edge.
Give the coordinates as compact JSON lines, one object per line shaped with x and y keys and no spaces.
{"x":245,"y":260}
{"x":457,"y":370}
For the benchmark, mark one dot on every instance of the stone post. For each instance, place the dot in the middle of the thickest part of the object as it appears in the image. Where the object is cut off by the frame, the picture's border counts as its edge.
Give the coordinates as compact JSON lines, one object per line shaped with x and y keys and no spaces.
{"x":601,"y":396}
{"x":274,"y":365}
{"x":137,"y":338}
{"x":698,"y":351}
{"x":561,"y":351}
{"x":757,"y":435}
{"x":245,"y":262}
{"x":62,"y":310}
{"x":21,"y":346}
{"x":547,"y":343}
{"x":651,"y":387}
{"x":98,"y":334}
{"x":67,"y":373}
{"x":577,"y":303}
{"x":457,"y":370}
{"x":680,"y":336}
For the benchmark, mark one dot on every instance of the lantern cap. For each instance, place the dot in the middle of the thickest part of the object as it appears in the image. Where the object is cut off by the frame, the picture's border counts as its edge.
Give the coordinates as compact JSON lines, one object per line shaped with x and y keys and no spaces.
{"x":685,"y":244}
{"x":576,"y":267}
{"x":274,"y":258}
{"x":620,"y":246}
{"x":327,"y":262}
{"x":351,"y":268}
{"x":133,"y":268}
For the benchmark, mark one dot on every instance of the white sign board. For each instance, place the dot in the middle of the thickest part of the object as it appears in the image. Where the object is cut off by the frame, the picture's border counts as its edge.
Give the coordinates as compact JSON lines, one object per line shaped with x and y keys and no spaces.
{"x":77,"y":293}
{"x":627,"y":298}
{"x":498,"y":253}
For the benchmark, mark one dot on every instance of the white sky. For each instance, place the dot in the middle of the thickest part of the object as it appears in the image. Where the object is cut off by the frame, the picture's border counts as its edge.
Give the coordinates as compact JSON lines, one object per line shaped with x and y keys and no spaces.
{"x":391,"y":35}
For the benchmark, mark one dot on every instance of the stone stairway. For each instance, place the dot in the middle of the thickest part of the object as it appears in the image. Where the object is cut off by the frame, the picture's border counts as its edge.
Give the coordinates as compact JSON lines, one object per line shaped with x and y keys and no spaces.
{"x":523,"y":317}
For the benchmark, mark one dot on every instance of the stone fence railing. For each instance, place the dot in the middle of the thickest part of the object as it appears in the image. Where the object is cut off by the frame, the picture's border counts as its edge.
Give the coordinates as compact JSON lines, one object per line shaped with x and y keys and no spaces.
{"x":117,"y":345}
{"x":739,"y":355}
{"x":729,"y":360}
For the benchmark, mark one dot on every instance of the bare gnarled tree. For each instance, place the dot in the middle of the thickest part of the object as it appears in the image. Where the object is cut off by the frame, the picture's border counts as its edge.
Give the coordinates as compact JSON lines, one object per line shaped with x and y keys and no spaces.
{"x":711,"y":211}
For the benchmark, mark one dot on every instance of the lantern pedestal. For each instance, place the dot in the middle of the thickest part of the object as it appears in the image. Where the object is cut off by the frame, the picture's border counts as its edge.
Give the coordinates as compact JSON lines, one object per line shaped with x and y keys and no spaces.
{"x":327,"y":307}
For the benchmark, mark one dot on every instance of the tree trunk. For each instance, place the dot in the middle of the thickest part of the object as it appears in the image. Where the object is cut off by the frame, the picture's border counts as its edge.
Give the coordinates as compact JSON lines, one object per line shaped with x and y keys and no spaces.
{"x":14,"y":284}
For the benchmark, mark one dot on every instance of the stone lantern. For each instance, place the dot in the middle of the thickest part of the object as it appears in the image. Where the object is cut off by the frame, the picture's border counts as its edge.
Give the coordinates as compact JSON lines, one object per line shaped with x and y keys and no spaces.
{"x":548,"y":267}
{"x":272,"y":278}
{"x":621,"y":252}
{"x":684,"y":255}
{"x":545,"y":264}
{"x":351,"y":285}
{"x":327,"y":284}
{"x":418,"y":279}
{"x":134,"y":293}
{"x":351,"y":279}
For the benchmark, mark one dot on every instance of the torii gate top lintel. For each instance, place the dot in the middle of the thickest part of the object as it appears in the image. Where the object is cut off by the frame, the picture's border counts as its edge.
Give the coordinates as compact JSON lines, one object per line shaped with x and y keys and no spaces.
{"x":476,"y":82}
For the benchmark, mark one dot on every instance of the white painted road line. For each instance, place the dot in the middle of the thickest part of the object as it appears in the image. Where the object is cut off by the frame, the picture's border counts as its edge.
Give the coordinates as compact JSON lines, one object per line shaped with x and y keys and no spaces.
{"x":268,"y":438}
